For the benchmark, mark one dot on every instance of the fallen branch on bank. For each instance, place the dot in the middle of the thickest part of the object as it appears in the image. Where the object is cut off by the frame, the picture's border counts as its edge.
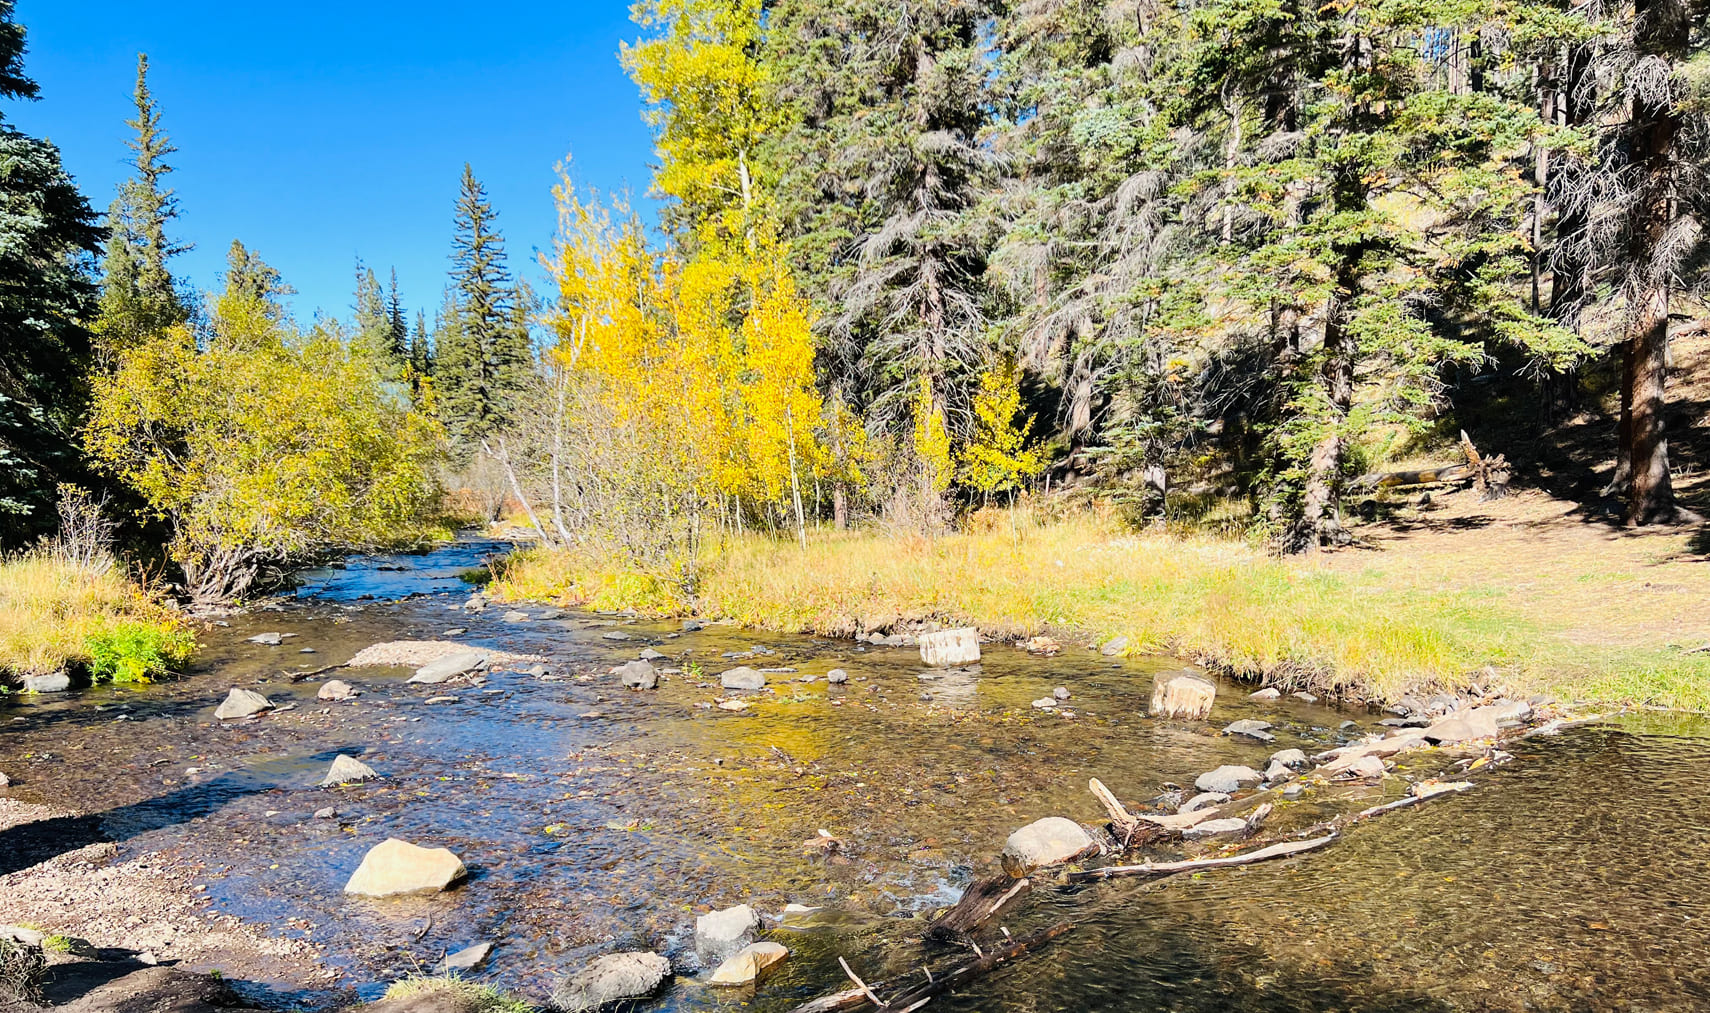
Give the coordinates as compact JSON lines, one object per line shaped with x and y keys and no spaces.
{"x":1155,"y":869}
{"x":914,"y":998}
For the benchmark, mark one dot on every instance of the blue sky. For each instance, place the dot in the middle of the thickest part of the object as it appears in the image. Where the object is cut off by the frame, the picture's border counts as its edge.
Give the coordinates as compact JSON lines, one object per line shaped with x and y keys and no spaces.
{"x":319,"y":131}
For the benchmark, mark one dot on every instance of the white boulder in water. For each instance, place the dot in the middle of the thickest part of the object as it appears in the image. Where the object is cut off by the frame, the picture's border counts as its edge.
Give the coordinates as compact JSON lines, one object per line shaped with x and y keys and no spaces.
{"x":395,"y":867}
{"x":950,"y":647}
{"x":241,"y":703}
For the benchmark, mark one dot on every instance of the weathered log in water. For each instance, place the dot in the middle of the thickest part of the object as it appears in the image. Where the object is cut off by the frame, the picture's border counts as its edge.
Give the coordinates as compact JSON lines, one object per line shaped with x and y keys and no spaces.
{"x":984,"y":900}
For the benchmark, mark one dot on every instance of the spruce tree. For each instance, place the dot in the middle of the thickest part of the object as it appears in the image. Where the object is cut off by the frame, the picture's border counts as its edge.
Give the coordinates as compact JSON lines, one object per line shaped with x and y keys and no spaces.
{"x":373,"y":324}
{"x":482,"y":356}
{"x":398,"y":329}
{"x":421,"y":347}
{"x":46,"y":292}
{"x":138,"y":296}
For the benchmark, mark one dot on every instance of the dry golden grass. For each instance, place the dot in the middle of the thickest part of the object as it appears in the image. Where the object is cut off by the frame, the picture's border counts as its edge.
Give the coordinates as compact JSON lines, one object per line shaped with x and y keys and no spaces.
{"x":1346,"y":623}
{"x":55,"y":613}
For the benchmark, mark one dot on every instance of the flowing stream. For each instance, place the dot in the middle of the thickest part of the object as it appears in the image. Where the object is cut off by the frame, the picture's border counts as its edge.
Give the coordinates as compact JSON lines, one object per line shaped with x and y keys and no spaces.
{"x":592,"y":818}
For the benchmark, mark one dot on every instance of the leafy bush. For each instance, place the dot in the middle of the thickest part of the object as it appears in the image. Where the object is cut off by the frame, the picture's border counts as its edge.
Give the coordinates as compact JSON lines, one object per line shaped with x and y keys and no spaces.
{"x":137,"y":652}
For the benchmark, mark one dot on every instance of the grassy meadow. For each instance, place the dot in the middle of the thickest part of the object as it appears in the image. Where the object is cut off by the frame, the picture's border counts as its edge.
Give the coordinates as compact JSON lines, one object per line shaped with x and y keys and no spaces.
{"x":57,"y":613}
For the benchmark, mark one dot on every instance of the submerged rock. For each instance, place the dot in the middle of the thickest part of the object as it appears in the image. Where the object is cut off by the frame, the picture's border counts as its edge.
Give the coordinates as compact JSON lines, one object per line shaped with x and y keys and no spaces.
{"x":395,"y":867}
{"x":720,"y":934}
{"x":1213,"y":828}
{"x":466,"y":959}
{"x":1227,"y":779}
{"x":515,"y":617}
{"x":1114,"y":646}
{"x":1042,"y":843}
{"x":1203,"y":800}
{"x":1182,"y":696}
{"x":1291,"y":758}
{"x":268,"y":639}
{"x":1304,"y":697}
{"x":615,"y":635}
{"x":450,"y":666}
{"x":346,"y":769}
{"x":612,"y":977}
{"x":743,"y":678}
{"x":637,"y":675}
{"x":1250,"y":729}
{"x":335,"y":689}
{"x":1268,"y":693}
{"x":749,"y":964}
{"x":241,"y":703}
{"x":950,"y":647}
{"x":651,"y":655}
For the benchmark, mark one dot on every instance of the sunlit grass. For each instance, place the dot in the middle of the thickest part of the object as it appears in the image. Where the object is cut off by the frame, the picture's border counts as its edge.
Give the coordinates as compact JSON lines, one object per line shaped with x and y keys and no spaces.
{"x":1222,"y":602}
{"x":55,"y":613}
{"x":467,"y":996}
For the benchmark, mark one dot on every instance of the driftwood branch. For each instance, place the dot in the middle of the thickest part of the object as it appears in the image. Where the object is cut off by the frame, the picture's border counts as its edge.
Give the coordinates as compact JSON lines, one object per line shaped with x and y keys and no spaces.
{"x":1490,"y":474}
{"x":1283,"y":850}
{"x":982,"y":901}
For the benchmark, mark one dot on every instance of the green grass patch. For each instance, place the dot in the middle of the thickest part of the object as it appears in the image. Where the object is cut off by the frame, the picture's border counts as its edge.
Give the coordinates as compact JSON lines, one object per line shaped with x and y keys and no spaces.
{"x":57,"y":614}
{"x":469,"y":996}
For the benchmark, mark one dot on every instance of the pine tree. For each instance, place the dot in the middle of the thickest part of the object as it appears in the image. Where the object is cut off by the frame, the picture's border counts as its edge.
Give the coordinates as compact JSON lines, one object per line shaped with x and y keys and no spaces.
{"x":398,"y":328}
{"x":249,"y":277}
{"x":373,"y":323}
{"x":482,"y":355}
{"x":138,"y":297}
{"x":421,"y":347}
{"x":46,"y":291}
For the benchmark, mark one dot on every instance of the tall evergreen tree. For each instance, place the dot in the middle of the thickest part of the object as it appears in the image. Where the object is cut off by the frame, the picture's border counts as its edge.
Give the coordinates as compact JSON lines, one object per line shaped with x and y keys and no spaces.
{"x":138,"y":296}
{"x":421,"y":347}
{"x":51,"y":238}
{"x":373,"y":322}
{"x":483,"y":356}
{"x":398,"y":328}
{"x":249,"y":277}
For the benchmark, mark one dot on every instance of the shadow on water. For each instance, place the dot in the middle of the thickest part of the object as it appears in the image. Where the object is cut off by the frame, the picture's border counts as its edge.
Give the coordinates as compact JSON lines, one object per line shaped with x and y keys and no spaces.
{"x":33,"y":843}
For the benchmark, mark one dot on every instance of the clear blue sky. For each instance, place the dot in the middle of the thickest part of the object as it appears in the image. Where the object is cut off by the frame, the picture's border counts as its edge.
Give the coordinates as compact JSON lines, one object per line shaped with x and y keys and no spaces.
{"x":318,"y":131}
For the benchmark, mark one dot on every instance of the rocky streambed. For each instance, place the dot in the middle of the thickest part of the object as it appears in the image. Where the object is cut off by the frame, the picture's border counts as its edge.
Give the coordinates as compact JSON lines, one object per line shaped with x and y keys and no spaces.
{"x":592,"y":818}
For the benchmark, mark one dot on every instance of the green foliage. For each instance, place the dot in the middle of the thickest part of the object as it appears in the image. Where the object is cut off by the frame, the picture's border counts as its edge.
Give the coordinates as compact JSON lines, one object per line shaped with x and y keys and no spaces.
{"x":130,"y":652}
{"x":48,"y":237}
{"x":266,"y":444}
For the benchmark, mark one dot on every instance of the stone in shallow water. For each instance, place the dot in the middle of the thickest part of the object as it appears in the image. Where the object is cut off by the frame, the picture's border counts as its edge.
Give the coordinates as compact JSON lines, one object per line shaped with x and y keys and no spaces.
{"x":743,"y":678}
{"x":1212,"y":828}
{"x":1050,"y":841}
{"x":1268,"y":693}
{"x":515,"y":617}
{"x":1182,"y":696}
{"x":395,"y":867}
{"x":466,"y":959}
{"x":615,"y":635}
{"x":612,"y":977}
{"x":1291,"y":758}
{"x":720,"y":934}
{"x":346,"y":769}
{"x":1251,"y":729}
{"x":241,"y":703}
{"x":651,"y":655}
{"x":1114,"y":647}
{"x":267,"y":639}
{"x":335,"y":689}
{"x":1227,"y":779}
{"x":53,"y":682}
{"x":1202,"y":800}
{"x":637,"y":675}
{"x":837,"y":677}
{"x":450,"y":666}
{"x":950,"y":647}
{"x":749,"y":964}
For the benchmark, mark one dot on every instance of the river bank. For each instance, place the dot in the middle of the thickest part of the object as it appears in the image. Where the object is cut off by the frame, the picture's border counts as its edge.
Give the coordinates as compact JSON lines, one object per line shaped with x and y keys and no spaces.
{"x":596,"y":819}
{"x":1527,"y":594}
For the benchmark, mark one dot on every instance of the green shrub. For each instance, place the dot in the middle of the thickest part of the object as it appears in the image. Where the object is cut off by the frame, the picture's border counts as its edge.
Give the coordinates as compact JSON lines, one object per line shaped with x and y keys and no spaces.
{"x":136,"y":652}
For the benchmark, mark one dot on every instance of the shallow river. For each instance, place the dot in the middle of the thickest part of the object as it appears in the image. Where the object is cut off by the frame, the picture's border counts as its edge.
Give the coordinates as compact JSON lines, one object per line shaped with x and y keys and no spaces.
{"x":1575,"y":878}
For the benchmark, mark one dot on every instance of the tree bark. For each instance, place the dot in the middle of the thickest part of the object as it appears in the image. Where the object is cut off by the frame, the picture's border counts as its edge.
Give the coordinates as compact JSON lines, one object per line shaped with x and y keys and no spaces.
{"x":1661,"y":29}
{"x":1321,"y":504}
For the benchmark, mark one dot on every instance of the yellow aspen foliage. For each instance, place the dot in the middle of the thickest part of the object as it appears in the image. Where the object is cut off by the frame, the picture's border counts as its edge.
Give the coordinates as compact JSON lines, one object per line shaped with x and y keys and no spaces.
{"x":264,"y":445}
{"x":997,"y":456}
{"x":705,"y":89}
{"x":931,"y":438}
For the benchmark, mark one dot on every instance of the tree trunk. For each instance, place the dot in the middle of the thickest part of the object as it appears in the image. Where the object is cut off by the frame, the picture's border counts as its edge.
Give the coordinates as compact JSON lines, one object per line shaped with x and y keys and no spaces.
{"x":840,"y":506}
{"x":1321,"y":504}
{"x":1662,"y":29}
{"x":1568,"y":261}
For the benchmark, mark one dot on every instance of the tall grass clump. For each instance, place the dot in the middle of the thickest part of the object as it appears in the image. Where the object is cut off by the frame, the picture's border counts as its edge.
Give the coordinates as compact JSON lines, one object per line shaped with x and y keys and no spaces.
{"x":66,"y":604}
{"x":467,"y":996}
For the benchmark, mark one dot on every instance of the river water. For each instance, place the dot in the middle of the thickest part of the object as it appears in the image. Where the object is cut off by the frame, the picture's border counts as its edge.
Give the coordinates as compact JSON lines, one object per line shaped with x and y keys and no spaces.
{"x":1576,"y":877}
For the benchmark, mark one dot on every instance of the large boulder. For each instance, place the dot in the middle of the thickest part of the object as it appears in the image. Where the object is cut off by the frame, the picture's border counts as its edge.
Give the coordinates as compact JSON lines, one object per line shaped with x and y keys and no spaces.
{"x":749,"y":964}
{"x":241,"y":703}
{"x":346,"y":769}
{"x":395,"y":867}
{"x":637,"y":675}
{"x":720,"y":934}
{"x":1227,"y":779}
{"x":450,"y":666}
{"x":743,"y":678}
{"x":950,"y":647}
{"x":1042,"y":843}
{"x":612,"y":977}
{"x":1182,"y":696}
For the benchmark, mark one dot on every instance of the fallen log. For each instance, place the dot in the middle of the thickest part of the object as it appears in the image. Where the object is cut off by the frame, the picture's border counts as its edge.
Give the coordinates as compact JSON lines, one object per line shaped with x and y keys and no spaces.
{"x":914,"y":998}
{"x":1282,"y":850}
{"x":1422,"y":791}
{"x":1446,"y":475}
{"x":311,"y":673}
{"x":984,"y":900}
